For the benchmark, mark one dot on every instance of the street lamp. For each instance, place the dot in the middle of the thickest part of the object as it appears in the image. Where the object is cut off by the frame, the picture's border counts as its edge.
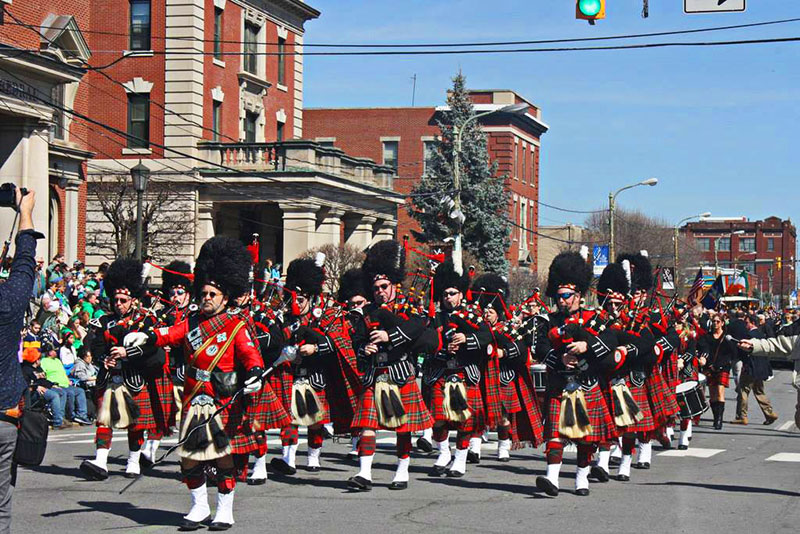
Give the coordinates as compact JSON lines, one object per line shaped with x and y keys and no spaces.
{"x":457,"y":213}
{"x":612,"y":199}
{"x":139,"y":174}
{"x":703,"y":215}
{"x":716,"y":247}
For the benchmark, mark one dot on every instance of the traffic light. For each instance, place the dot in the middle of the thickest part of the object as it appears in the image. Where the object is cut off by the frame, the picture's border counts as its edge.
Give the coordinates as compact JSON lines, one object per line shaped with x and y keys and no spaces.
{"x":590,"y":10}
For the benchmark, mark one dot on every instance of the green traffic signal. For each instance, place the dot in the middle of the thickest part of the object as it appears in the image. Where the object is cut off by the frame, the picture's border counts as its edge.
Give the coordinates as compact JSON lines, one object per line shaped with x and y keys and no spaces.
{"x":589,"y":8}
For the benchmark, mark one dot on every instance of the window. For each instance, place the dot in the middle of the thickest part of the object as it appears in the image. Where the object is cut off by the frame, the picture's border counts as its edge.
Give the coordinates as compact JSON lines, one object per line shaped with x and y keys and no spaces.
{"x":747,"y":244}
{"x":57,"y":98}
{"x":140,"y":25}
{"x":523,"y":221}
{"x":724,"y":244}
{"x":281,"y":61}
{"x":703,"y":244}
{"x":250,"y":48}
{"x":429,"y":149}
{"x":138,"y":120}
{"x":533,"y":218}
{"x":216,"y":120}
{"x":279,"y":131}
{"x":516,"y":167}
{"x":250,"y":121}
{"x":532,"y":180}
{"x":524,"y":162}
{"x":390,"y":154}
{"x":770,"y":244}
{"x":217,"y":33}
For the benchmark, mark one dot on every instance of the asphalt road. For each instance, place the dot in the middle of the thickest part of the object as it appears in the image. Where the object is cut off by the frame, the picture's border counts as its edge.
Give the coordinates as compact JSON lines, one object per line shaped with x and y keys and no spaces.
{"x":740,"y":479}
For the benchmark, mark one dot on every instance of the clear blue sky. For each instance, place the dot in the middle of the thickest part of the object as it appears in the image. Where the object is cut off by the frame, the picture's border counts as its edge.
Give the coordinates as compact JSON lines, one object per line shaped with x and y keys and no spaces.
{"x":717,"y":125}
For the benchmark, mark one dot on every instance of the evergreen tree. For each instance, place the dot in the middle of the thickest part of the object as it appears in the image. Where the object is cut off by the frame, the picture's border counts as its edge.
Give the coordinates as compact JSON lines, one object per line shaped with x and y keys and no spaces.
{"x":484,"y":197}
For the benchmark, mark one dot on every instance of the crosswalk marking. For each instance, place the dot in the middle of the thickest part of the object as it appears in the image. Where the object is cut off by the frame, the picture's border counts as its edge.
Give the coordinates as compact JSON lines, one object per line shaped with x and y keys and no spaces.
{"x":785,"y":457}
{"x":694,"y":452}
{"x":786,"y":426}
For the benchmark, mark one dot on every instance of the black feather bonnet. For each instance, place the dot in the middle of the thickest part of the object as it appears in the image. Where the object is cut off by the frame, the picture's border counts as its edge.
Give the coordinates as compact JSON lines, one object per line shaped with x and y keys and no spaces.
{"x":446,"y":277}
{"x":613,"y":282}
{"x":491,"y":291}
{"x":351,"y":284}
{"x":569,"y":269}
{"x":124,"y":275}
{"x":641,"y":271}
{"x":224,"y":263}
{"x":385,"y":259}
{"x":170,"y":280}
{"x":305,"y":276}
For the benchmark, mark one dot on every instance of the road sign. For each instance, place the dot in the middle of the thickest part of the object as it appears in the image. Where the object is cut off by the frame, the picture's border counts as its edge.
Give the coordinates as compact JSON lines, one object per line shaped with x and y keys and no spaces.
{"x":713,"y":6}
{"x":600,"y":254}
{"x":668,"y":279}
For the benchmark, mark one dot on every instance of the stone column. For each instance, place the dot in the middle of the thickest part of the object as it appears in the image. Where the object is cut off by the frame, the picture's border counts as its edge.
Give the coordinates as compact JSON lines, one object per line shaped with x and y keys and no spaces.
{"x":359,"y":230}
{"x":71,"y":220}
{"x":299,"y":230}
{"x":204,"y":227}
{"x":385,"y":229}
{"x":329,"y":231}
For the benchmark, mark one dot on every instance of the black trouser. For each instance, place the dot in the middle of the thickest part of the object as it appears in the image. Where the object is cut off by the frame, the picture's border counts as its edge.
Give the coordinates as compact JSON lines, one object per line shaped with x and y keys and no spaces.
{"x":8,"y":442}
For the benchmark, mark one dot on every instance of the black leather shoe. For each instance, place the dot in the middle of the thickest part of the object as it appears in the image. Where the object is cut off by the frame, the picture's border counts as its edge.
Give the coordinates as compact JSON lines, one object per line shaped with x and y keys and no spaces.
{"x":188,"y":526}
{"x":145,"y":462}
{"x":504,"y":460}
{"x":218,"y":527}
{"x":642,"y":465}
{"x":281,"y":467}
{"x":623,"y":478}
{"x":544,"y":484}
{"x":424,"y":445}
{"x":93,"y":472}
{"x":398,"y":485}
{"x":454,"y":474}
{"x":683,"y":447}
{"x":614,"y":460}
{"x":256,"y":481}
{"x":598,"y":473}
{"x":359,"y":483}
{"x":131,"y":475}
{"x":583,"y":492}
{"x":473,"y":457}
{"x":438,"y":470}
{"x":312,"y":468}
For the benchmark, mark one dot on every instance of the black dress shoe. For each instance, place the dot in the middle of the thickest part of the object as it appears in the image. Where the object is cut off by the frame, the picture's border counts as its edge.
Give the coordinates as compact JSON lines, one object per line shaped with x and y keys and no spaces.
{"x":188,"y":526}
{"x":454,"y":474}
{"x":598,"y":473}
{"x":544,"y":484}
{"x":131,"y":475}
{"x":504,"y":460}
{"x":614,"y":460}
{"x":424,"y":445}
{"x":312,"y":468}
{"x":683,"y":447}
{"x":623,"y":478}
{"x":145,"y":462}
{"x":438,"y":470}
{"x":218,"y":526}
{"x":281,"y":467}
{"x":642,"y":465}
{"x":256,"y":481}
{"x":583,"y":492}
{"x":359,"y":483}
{"x":473,"y":457}
{"x":398,"y":485}
{"x":93,"y":472}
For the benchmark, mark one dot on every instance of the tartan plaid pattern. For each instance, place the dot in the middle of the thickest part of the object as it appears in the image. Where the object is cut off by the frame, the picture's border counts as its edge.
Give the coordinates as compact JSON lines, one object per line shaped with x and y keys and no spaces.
{"x":640,"y":396}
{"x":603,"y":427}
{"x":476,"y":423}
{"x":491,"y":391}
{"x":669,"y":370}
{"x":418,"y":417}
{"x":662,"y":400}
{"x":155,"y":402}
{"x":718,"y":378}
{"x":527,"y":425}
{"x":265,"y":410}
{"x":344,"y":383}
{"x":236,"y":425}
{"x":509,"y":400}
{"x":280,"y":380}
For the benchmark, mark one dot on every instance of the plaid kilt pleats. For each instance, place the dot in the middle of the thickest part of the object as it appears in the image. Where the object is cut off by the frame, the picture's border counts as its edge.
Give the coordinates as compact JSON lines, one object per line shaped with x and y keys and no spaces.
{"x":418,"y":417}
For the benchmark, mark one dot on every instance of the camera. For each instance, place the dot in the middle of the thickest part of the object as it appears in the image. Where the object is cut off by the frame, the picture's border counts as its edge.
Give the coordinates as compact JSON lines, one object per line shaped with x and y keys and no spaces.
{"x":8,"y":195}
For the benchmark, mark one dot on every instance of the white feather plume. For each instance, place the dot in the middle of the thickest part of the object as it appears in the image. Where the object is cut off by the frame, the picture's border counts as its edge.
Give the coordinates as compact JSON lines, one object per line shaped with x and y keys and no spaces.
{"x":319,"y":259}
{"x":626,"y":266}
{"x":584,"y":252}
{"x":644,"y":253}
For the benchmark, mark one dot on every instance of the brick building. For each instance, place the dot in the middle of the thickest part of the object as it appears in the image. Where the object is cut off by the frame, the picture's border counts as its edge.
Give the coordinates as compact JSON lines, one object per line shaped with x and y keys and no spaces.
{"x":401,"y":137}
{"x":215,"y":113}
{"x":765,"y":248}
{"x":41,"y":147}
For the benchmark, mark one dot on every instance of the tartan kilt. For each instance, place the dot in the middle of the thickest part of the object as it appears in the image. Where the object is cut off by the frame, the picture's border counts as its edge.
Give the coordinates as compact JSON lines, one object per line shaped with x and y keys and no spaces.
{"x":527,"y":424}
{"x":640,"y":396}
{"x":492,"y":393}
{"x":662,"y":400}
{"x":342,"y":402}
{"x":418,"y":417}
{"x":156,"y":405}
{"x":235,"y":424}
{"x":265,"y":411}
{"x":670,"y":371}
{"x":603,"y":427}
{"x":718,"y":378}
{"x":476,"y":423}
{"x":280,"y":380}
{"x":509,"y":400}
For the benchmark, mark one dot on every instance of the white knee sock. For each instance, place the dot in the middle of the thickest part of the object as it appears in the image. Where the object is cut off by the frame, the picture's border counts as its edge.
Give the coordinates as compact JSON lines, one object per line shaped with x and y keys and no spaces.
{"x":602,"y":459}
{"x":401,"y":475}
{"x":475,"y":445}
{"x":259,"y":468}
{"x":313,"y":456}
{"x":101,"y":458}
{"x":365,"y":464}
{"x":224,"y":508}
{"x":428,"y":434}
{"x":460,"y":461}
{"x":503,"y":448}
{"x":553,"y":470}
{"x":645,"y":452}
{"x":444,"y":452}
{"x":133,"y":462}
{"x":289,"y":453}
{"x":582,"y":478}
{"x":200,"y":509}
{"x":625,"y":465}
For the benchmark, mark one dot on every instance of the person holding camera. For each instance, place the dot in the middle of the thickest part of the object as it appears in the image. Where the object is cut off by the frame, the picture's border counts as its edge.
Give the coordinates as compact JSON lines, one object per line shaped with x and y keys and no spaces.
{"x":14,"y":296}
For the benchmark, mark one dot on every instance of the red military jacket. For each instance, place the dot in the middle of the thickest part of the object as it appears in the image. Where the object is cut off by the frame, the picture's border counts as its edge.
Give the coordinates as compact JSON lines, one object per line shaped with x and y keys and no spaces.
{"x":203,"y":338}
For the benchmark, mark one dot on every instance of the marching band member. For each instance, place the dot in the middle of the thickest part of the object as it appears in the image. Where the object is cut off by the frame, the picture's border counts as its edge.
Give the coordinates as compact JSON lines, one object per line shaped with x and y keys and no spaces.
{"x":390,"y":398}
{"x":576,"y":355}
{"x":688,"y":365}
{"x":133,"y":391}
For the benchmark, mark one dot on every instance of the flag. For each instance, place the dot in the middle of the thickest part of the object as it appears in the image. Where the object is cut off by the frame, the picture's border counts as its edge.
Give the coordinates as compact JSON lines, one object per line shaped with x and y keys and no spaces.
{"x":737,"y":283}
{"x":697,"y":289}
{"x":716,"y":292}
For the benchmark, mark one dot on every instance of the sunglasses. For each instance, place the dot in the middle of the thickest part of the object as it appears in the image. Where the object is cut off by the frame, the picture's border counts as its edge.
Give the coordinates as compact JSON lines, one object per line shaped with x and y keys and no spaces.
{"x":451,"y":292}
{"x":209,"y":294}
{"x":122,"y":300}
{"x":177,"y":292}
{"x":565,"y":296}
{"x":381,"y":287}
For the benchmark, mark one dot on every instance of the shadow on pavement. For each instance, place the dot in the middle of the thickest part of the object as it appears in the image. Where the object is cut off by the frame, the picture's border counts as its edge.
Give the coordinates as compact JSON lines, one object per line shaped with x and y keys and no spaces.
{"x":727,"y":487}
{"x":142,"y":516}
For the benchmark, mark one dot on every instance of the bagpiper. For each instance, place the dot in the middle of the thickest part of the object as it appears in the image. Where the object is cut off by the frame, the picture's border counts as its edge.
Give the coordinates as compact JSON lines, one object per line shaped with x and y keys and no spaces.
{"x":577,"y":350}
{"x":133,"y":390}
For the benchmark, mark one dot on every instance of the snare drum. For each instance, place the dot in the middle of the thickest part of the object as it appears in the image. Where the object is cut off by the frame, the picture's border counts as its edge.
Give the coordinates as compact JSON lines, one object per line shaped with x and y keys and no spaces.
{"x":691,"y":400}
{"x":539,"y":375}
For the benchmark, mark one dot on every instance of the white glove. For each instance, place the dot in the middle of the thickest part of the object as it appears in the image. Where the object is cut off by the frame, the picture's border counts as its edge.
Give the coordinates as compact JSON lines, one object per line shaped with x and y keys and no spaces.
{"x":252,"y":388}
{"x":134,"y":339}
